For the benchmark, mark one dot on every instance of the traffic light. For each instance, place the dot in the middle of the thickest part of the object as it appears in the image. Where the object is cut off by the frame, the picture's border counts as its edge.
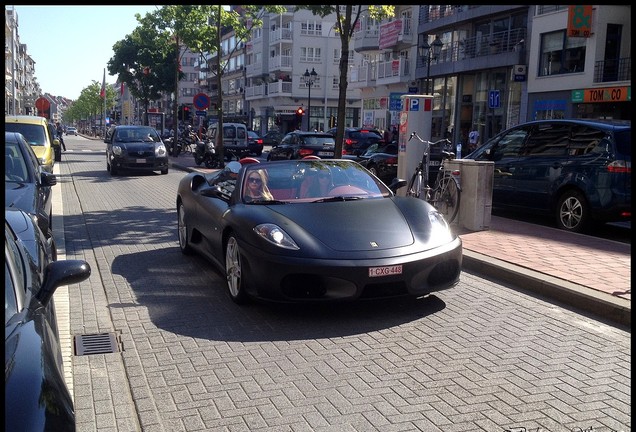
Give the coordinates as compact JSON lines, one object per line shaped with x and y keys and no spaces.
{"x":186,"y":112}
{"x":300,"y":111}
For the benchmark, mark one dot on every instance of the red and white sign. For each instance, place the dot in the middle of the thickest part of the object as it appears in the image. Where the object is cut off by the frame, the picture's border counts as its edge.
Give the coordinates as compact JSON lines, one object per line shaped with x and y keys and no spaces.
{"x":389,"y":33}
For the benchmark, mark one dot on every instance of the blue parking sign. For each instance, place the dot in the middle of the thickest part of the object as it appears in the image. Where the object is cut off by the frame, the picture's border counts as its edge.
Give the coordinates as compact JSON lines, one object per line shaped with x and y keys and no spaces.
{"x":414,"y":104}
{"x":494,"y":100}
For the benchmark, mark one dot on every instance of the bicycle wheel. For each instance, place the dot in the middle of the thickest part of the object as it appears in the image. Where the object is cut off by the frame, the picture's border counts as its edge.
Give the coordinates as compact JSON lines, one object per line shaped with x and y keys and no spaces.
{"x":415,"y":185}
{"x":446,"y":196}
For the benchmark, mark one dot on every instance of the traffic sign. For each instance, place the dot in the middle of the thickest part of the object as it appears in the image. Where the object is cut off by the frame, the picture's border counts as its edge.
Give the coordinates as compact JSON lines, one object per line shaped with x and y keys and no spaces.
{"x":494,"y":100}
{"x":201,"y":101}
{"x":201,"y":113}
{"x":414,"y":104}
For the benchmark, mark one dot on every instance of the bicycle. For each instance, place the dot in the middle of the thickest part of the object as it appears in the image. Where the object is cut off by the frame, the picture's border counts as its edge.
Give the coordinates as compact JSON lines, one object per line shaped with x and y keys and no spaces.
{"x":446,"y":191}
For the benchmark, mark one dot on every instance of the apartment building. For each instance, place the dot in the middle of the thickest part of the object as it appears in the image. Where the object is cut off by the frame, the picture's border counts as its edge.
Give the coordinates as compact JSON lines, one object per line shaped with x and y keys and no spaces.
{"x":291,"y":62}
{"x":21,"y":87}
{"x":580,"y":62}
{"x":501,"y":65}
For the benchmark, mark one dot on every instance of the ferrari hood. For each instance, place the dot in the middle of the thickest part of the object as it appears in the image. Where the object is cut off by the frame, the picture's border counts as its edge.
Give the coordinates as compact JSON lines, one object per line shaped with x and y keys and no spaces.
{"x":364,"y":225}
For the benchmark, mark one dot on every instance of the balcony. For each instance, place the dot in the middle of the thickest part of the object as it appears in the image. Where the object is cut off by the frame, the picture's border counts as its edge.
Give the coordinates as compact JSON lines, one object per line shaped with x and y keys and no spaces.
{"x":366,"y":37}
{"x":363,"y":76}
{"x":280,"y":88}
{"x":255,"y":92}
{"x":280,"y":63}
{"x":394,"y":71}
{"x":280,"y":35}
{"x":613,"y":70}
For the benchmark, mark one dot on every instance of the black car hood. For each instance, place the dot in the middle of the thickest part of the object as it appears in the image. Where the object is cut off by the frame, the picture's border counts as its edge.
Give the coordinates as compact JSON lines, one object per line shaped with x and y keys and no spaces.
{"x":21,"y":196}
{"x":364,"y":225}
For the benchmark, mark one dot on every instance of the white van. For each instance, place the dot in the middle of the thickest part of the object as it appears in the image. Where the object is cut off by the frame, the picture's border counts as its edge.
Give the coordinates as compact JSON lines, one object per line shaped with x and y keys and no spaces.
{"x":234,"y":138}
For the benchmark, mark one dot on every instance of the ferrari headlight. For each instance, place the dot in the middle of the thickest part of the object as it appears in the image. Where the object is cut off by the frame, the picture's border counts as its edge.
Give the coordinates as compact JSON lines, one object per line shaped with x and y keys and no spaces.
{"x":440,"y":231}
{"x":275,"y":235}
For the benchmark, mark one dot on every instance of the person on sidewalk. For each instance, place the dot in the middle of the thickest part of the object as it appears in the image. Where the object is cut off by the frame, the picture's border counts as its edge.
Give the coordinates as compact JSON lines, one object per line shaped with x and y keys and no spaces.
{"x":60,"y":132}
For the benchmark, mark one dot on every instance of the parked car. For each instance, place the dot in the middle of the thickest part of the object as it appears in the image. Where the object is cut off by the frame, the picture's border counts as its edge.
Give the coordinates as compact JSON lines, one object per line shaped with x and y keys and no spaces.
{"x":35,"y":394}
{"x":135,"y":148}
{"x":380,"y":160}
{"x":359,"y":240}
{"x":235,"y":140}
{"x":577,"y":170}
{"x":272,"y":138}
{"x":357,"y":140}
{"x":297,"y":145}
{"x":254,"y":143}
{"x":71,"y":130}
{"x":40,"y":135}
{"x":27,"y":185}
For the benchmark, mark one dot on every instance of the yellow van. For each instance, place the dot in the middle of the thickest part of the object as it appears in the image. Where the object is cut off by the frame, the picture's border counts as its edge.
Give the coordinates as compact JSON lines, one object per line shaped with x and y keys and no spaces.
{"x":40,"y":134}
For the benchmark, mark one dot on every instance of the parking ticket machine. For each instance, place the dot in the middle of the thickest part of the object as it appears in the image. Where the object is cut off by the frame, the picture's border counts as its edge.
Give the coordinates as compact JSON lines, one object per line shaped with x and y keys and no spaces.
{"x":416,"y":116}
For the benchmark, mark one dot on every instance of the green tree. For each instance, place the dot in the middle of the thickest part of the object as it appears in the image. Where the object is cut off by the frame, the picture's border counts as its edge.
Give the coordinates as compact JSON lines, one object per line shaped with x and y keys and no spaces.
{"x":345,"y":26}
{"x":89,"y":105}
{"x":200,"y":28}
{"x":145,"y":62}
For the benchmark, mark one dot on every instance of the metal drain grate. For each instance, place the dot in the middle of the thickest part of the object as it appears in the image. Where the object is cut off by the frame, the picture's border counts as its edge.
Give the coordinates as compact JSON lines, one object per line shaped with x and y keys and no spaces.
{"x":99,"y":343}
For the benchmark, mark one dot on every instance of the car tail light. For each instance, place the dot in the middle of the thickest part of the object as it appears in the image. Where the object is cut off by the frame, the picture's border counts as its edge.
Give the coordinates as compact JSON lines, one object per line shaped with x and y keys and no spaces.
{"x":620,"y":166}
{"x":305,"y":152}
{"x":259,"y":141}
{"x":349,"y":141}
{"x":391,"y":161}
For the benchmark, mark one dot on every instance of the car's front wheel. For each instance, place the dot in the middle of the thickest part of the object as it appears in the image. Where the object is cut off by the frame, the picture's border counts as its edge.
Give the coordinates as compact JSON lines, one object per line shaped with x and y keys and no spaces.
{"x":182,"y":231}
{"x":573,"y":213}
{"x":233,"y":271}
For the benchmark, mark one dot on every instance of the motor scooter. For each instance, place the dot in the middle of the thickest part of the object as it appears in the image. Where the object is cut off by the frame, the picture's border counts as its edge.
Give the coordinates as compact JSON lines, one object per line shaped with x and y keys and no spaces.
{"x":205,"y":153}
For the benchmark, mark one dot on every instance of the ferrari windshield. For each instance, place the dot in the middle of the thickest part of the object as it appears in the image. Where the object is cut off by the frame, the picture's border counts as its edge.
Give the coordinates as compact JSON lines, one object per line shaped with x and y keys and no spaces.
{"x":313,"y":180}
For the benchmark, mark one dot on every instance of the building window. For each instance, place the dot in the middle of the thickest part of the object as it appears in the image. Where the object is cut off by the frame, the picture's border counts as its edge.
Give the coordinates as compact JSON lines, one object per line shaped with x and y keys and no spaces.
{"x":561,"y":54}
{"x":310,"y":54}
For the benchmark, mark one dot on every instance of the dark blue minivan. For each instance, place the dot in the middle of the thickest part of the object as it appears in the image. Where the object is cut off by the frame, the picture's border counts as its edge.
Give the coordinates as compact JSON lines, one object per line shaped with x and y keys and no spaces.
{"x":578,"y":170}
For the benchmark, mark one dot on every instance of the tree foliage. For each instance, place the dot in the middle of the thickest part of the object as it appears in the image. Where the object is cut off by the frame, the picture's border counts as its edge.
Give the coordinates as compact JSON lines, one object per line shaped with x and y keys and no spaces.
{"x":143,"y":60}
{"x":345,"y":26}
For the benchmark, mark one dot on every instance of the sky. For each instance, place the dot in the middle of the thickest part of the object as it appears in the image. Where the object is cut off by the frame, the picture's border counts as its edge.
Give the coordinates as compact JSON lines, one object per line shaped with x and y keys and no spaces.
{"x":71,"y":45}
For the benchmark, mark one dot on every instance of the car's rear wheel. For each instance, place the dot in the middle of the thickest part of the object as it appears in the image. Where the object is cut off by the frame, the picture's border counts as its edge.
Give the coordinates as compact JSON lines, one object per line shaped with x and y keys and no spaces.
{"x":182,"y":231}
{"x":233,"y":271}
{"x":573,"y":213}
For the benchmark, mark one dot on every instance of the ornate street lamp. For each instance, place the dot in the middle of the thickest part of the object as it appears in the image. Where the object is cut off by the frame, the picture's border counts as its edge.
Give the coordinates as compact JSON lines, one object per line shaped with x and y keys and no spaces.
{"x":427,"y":54}
{"x":310,"y":78}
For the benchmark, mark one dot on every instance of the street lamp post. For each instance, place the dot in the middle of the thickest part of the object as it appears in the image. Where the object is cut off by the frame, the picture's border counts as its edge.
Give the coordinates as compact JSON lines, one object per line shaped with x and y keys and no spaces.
{"x":427,"y":54}
{"x":310,"y":78}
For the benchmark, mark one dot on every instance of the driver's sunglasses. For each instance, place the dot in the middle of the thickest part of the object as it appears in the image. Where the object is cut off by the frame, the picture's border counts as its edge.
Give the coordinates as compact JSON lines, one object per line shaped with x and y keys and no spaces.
{"x":255,"y":180}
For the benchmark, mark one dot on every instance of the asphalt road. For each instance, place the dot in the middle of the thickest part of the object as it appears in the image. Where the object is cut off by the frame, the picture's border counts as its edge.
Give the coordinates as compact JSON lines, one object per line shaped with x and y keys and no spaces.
{"x":480,"y":356}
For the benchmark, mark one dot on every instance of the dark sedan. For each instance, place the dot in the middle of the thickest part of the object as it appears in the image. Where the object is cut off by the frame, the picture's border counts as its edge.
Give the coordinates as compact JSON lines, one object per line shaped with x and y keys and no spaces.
{"x":135,"y":148}
{"x":357,"y":140}
{"x":382,"y":161}
{"x":35,"y":394}
{"x":272,"y":138}
{"x":27,"y":185}
{"x":276,"y":232}
{"x":297,"y":145}
{"x":255,"y":143}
